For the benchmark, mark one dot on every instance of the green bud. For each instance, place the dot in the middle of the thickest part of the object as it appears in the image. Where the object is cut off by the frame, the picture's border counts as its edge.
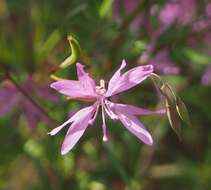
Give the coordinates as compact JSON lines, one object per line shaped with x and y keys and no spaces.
{"x":75,"y":53}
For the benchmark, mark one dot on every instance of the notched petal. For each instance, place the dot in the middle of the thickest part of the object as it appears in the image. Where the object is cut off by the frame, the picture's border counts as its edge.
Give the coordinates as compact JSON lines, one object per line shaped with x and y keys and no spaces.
{"x":84,"y":78}
{"x":136,"y":128}
{"x":77,"y":129}
{"x":131,"y":78}
{"x":74,"y":89}
{"x":133,"y":110}
{"x":114,"y":79}
{"x":76,"y":117}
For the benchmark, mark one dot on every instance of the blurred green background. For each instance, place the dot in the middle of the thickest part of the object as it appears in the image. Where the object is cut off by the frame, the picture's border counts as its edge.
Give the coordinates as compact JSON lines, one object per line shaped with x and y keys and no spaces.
{"x":33,"y":39}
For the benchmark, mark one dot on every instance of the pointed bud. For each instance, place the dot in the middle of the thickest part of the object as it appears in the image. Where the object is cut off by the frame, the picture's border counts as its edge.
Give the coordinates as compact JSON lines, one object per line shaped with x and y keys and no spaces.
{"x":75,"y":53}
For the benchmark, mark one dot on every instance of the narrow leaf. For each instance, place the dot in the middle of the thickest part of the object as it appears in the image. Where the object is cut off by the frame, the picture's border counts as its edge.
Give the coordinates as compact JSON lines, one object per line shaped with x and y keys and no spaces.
{"x":105,"y":8}
{"x":197,"y":56}
{"x":43,"y":51}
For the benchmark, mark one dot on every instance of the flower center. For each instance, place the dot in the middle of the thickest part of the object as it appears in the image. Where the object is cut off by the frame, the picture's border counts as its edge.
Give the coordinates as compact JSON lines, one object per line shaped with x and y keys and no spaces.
{"x":101,"y":89}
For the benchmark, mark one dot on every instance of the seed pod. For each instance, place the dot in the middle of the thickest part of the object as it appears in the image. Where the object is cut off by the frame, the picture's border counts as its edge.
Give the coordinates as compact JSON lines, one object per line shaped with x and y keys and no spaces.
{"x":182,"y":111}
{"x":156,"y":80}
{"x":171,"y":109}
{"x":168,"y":93}
{"x":173,"y":118}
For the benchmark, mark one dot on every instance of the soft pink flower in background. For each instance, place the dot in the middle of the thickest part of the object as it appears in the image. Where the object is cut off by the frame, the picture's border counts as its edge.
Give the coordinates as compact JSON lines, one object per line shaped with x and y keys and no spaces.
{"x":8,"y":97}
{"x":206,"y":77}
{"x":208,"y":10}
{"x":126,"y":7}
{"x":180,"y":11}
{"x":204,"y":23}
{"x":169,"y":13}
{"x":163,"y":64}
{"x":201,"y":25}
{"x":86,"y":89}
{"x":11,"y":98}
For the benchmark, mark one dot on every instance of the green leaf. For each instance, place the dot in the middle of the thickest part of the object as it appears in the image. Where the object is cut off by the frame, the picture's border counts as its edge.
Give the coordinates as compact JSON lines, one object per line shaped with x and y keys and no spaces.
{"x":197,"y":56}
{"x":139,"y":47}
{"x":106,"y":8}
{"x":33,"y":148}
{"x":182,"y":111}
{"x":43,"y":51}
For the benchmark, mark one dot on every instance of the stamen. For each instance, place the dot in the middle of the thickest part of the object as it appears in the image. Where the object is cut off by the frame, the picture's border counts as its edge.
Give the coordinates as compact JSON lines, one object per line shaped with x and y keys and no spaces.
{"x":105,"y":138}
{"x":91,"y":121}
{"x":102,"y":83}
{"x":109,"y":111}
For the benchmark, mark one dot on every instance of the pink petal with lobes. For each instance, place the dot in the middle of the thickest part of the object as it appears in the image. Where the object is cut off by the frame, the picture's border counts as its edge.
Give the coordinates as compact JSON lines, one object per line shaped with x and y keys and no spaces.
{"x":77,"y":129}
{"x":129,"y":79}
{"x":74,"y":89}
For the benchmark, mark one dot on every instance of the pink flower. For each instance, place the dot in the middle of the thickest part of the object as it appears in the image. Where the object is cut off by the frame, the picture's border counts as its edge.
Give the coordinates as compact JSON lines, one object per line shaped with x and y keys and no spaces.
{"x":86,"y":89}
{"x":163,"y":64}
{"x":206,"y":77}
{"x":201,"y":25}
{"x":121,"y":9}
{"x":169,"y":13}
{"x":208,"y":10}
{"x":181,"y":11}
{"x":11,"y":98}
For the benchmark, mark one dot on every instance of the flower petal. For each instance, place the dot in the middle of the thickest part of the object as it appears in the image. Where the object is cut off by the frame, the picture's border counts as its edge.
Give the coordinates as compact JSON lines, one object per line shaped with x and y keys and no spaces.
{"x":130,"y":79}
{"x":163,"y":64}
{"x":77,"y":116}
{"x":206,"y":77}
{"x":7,"y":103}
{"x":126,"y":114}
{"x":115,"y":78}
{"x":77,"y":129}
{"x":74,"y":89}
{"x":133,"y":110}
{"x":85,"y":79}
{"x":33,"y":115}
{"x":136,"y":128}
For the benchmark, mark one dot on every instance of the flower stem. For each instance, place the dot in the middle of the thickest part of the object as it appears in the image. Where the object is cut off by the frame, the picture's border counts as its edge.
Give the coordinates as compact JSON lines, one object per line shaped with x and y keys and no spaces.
{"x":29,"y":98}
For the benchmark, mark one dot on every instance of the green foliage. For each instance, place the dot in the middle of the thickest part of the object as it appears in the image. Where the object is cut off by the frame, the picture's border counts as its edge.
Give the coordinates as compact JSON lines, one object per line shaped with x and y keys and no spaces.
{"x":33,"y":40}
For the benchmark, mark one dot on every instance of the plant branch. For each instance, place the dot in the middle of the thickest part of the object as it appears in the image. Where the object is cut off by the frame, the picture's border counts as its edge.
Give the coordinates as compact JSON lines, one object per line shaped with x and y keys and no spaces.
{"x":29,"y":98}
